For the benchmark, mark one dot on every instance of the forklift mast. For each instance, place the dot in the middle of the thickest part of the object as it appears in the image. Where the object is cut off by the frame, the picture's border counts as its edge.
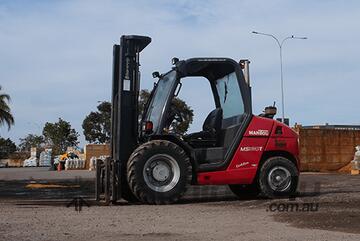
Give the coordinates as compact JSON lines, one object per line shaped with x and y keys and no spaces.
{"x":124,"y":111}
{"x":125,"y":92}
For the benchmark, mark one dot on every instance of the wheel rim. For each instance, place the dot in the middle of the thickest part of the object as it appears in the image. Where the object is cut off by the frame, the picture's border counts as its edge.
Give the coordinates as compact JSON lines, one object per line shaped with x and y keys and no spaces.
{"x":161,"y":173}
{"x":279,"y":179}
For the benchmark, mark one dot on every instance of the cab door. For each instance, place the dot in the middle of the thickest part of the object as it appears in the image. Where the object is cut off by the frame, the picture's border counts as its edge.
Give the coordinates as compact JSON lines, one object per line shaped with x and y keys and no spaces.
{"x":233,"y":96}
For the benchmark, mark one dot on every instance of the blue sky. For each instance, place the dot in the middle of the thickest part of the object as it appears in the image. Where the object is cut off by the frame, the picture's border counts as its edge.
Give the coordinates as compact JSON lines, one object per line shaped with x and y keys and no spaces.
{"x":55,"y":56}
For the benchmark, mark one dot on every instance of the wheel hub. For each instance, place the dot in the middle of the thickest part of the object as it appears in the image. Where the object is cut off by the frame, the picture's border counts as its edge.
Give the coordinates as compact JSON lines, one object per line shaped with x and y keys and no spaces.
{"x":279,"y":179}
{"x":161,"y":172}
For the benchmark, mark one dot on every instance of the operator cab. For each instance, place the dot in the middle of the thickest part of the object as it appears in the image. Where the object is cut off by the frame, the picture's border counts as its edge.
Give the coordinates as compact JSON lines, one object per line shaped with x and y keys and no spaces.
{"x":231,"y":96}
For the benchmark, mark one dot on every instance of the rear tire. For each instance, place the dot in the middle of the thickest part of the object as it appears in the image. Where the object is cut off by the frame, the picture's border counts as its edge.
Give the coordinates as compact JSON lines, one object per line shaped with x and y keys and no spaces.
{"x":243,"y":191}
{"x":278,"y":177}
{"x":159,"y":172}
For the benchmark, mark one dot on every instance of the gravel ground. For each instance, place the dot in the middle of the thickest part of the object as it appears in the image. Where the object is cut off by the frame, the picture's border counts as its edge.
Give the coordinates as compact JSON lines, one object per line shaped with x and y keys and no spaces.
{"x":328,"y":208}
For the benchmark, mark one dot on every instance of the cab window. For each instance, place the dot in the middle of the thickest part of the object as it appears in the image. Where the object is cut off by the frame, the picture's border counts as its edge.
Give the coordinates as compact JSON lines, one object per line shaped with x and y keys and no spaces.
{"x":230,"y":96}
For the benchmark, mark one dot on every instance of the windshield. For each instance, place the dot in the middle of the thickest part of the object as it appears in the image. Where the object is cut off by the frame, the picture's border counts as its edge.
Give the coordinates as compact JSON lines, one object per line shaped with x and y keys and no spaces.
{"x":159,"y":99}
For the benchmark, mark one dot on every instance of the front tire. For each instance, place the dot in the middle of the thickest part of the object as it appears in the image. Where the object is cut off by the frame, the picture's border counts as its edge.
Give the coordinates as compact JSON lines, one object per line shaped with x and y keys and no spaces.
{"x":126,"y":192}
{"x":159,"y":172}
{"x":278,"y":177}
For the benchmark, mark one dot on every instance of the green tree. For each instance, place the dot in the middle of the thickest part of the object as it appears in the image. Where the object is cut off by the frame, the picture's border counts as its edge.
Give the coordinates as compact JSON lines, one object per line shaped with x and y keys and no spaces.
{"x":60,"y":135}
{"x":143,"y":98}
{"x":185,"y":112}
{"x":5,"y":113}
{"x":6,"y":147}
{"x":96,"y":125}
{"x":30,"y":141}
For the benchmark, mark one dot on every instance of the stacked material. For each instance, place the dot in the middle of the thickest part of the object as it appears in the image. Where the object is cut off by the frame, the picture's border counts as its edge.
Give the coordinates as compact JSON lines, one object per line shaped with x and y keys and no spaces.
{"x":72,"y":161}
{"x":93,"y":160}
{"x":45,"y":158}
{"x":355,"y":164}
{"x":95,"y":150}
{"x":33,"y":152}
{"x":92,"y":164}
{"x":30,"y":162}
{"x":56,"y":160}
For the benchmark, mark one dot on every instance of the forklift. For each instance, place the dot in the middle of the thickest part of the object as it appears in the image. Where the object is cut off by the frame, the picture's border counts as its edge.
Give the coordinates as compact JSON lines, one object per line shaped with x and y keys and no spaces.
{"x":151,"y":163}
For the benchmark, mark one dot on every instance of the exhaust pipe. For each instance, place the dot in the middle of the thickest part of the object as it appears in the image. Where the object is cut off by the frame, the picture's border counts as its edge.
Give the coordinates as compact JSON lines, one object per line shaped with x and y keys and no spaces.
{"x":244,"y":64}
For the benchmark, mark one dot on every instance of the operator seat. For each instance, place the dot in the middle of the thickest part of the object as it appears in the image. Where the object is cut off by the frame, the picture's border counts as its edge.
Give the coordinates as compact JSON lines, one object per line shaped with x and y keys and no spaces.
{"x":209,"y":136}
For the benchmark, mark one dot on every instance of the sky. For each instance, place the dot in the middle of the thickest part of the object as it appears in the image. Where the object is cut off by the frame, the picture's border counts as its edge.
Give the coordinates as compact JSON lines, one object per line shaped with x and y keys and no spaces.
{"x":56,"y":56}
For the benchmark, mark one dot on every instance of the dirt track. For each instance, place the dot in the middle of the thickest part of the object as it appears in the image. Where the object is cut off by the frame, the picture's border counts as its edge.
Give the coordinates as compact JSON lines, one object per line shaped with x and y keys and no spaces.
{"x":206,"y":213}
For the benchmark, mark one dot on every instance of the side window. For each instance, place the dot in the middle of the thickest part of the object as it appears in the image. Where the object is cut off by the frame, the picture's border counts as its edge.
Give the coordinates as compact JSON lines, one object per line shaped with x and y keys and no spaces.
{"x":230,"y":96}
{"x":197,"y":93}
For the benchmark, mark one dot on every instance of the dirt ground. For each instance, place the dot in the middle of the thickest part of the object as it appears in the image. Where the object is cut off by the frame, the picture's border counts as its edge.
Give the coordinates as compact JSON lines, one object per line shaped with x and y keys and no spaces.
{"x":33,"y":206}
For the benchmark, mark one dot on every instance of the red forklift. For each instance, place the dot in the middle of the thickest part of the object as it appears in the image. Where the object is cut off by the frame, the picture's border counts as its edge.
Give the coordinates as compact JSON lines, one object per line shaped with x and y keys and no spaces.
{"x":151,"y":163}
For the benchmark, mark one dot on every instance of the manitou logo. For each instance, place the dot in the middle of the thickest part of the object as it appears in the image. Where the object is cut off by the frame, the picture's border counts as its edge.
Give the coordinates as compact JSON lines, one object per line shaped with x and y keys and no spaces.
{"x":251,"y":148}
{"x":259,"y":133}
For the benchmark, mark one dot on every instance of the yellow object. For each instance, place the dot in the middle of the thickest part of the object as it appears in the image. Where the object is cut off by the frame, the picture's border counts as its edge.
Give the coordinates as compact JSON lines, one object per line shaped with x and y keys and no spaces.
{"x":39,"y":185}
{"x":355,"y":172}
{"x":63,"y":157}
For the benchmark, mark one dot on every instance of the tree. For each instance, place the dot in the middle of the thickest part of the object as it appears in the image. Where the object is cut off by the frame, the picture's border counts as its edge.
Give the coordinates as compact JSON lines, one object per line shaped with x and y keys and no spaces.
{"x":96,"y":125}
{"x":6,"y":147}
{"x":60,"y":135}
{"x":182,"y":108}
{"x":143,"y":98}
{"x":30,"y":141}
{"x":186,"y":114}
{"x":5,"y":113}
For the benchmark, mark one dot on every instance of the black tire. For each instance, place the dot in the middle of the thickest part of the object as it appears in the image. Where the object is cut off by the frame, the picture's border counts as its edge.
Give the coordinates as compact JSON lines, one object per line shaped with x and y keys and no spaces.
{"x":243,"y":191}
{"x":142,"y":180}
{"x":267,"y":171}
{"x":126,"y":192}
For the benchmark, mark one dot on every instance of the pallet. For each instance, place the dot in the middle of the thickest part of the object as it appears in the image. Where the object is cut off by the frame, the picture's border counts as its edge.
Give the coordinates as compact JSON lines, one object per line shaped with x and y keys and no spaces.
{"x":355,"y":172}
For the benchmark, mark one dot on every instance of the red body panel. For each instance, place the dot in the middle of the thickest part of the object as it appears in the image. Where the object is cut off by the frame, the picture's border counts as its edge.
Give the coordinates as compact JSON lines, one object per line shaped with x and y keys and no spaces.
{"x":262,"y":135}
